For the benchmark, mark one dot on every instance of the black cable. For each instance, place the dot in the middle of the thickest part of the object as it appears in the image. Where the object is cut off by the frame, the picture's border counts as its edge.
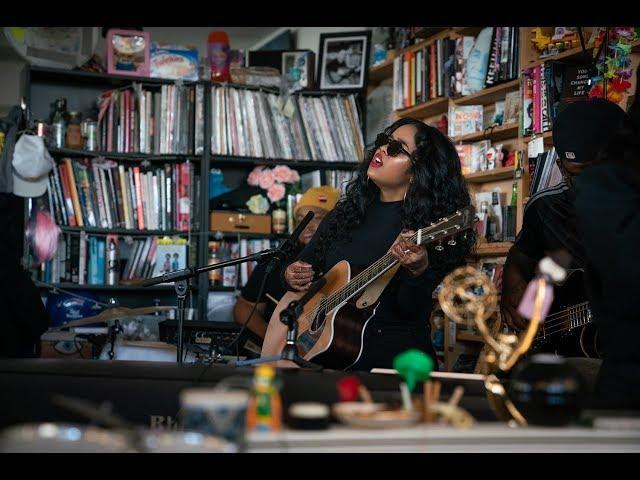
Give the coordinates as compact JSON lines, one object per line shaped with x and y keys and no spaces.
{"x":244,"y":325}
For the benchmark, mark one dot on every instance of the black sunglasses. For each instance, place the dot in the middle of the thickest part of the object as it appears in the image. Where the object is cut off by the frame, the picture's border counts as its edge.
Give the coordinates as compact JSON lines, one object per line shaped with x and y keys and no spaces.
{"x":394,"y":147}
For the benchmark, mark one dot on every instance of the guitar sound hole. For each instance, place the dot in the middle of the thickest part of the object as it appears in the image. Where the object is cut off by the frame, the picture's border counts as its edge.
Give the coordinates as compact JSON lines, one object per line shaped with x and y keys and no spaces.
{"x":318,"y":320}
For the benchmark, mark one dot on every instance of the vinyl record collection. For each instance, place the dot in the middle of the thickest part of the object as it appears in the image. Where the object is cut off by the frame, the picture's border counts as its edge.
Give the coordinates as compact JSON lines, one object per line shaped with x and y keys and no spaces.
{"x":256,"y":123}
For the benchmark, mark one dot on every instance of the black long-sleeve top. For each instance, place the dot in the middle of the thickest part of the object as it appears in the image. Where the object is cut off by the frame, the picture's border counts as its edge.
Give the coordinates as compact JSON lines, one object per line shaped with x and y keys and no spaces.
{"x":401,"y":320}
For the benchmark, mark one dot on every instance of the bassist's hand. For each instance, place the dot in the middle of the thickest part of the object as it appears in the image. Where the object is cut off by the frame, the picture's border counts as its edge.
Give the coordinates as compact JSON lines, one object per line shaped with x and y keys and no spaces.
{"x":510,"y":315}
{"x":299,"y":276}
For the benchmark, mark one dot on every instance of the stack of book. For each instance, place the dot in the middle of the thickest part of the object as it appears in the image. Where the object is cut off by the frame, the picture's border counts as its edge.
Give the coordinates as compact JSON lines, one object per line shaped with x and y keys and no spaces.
{"x":440,"y":68}
{"x":237,"y":275}
{"x":104,"y":194}
{"x":546,"y":88}
{"x":108,"y":260}
{"x":544,"y":171}
{"x":137,"y":120}
{"x":251,"y":123}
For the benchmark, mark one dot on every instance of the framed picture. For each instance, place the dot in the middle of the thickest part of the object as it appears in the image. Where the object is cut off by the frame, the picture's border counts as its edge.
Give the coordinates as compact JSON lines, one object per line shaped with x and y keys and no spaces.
{"x":128,"y":52}
{"x":344,"y":60}
{"x":299,"y":65}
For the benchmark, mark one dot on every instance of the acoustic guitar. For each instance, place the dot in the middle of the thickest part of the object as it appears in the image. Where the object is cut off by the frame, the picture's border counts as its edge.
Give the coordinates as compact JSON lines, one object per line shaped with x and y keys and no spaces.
{"x":332,"y":324}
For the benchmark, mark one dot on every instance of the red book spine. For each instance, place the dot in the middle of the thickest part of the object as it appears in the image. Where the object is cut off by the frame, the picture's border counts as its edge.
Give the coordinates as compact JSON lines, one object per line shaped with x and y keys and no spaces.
{"x":67,"y":196}
{"x":136,"y":174}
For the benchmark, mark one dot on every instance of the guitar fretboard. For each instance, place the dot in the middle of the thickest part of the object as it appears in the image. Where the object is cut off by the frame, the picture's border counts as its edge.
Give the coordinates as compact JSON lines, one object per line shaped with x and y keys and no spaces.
{"x":425,"y":235}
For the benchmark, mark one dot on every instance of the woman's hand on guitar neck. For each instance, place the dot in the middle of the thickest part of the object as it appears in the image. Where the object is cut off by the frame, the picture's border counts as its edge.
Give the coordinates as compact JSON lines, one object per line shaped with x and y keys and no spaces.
{"x":411,"y":256}
{"x":299,"y":275}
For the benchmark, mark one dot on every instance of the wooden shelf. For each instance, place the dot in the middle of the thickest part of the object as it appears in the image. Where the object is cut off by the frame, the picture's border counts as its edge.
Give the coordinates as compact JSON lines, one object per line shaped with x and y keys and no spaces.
{"x":492,"y":249}
{"x":500,"y":173}
{"x":469,"y":337}
{"x":444,"y":33}
{"x":546,"y":136}
{"x":467,"y":31}
{"x":501,"y":132}
{"x":573,"y":52}
{"x":426,"y":109}
{"x":121,"y":231}
{"x":134,"y":157}
{"x":489,"y":95}
{"x":382,"y":71}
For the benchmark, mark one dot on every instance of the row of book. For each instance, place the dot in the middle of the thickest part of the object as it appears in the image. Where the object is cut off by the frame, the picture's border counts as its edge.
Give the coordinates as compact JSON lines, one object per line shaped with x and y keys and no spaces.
{"x":101,"y":193}
{"x":236,"y":276}
{"x":546,"y":88}
{"x":544,"y":171}
{"x":110,"y":260}
{"x":497,"y":221}
{"x":453,"y":67}
{"x":260,"y":124}
{"x":140,"y":120}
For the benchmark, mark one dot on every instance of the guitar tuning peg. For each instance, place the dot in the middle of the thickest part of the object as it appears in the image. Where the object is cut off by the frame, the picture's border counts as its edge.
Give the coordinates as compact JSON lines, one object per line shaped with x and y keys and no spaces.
{"x":439,"y":247}
{"x":451,"y":242}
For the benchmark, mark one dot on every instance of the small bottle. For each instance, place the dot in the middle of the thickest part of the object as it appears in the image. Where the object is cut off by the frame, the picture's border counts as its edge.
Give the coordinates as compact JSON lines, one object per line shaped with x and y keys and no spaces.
{"x":264,"y":411}
{"x":219,"y":56}
{"x":279,"y":220}
{"x":74,"y":131}
{"x":514,"y":194}
{"x":215,"y":276}
{"x":59,"y":123}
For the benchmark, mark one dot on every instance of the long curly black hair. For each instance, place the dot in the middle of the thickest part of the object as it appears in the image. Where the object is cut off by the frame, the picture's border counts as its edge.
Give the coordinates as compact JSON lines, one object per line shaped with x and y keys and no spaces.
{"x":437,"y":190}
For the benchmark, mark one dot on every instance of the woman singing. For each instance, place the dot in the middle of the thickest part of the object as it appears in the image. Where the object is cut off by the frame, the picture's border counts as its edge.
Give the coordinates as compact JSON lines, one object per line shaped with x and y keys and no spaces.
{"x":411,"y":178}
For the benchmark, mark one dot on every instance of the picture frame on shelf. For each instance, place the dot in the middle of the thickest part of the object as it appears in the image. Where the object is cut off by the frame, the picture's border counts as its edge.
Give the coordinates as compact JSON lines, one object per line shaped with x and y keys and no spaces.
{"x":299,"y":65}
{"x":344,"y":60}
{"x":128,"y":53}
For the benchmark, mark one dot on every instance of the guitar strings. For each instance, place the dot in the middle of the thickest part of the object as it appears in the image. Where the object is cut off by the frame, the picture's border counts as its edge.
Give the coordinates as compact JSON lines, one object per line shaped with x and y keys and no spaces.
{"x":386,"y":261}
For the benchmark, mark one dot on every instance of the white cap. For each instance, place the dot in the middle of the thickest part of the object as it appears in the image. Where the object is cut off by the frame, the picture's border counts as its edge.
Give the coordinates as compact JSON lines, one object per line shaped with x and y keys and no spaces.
{"x":31,"y":166}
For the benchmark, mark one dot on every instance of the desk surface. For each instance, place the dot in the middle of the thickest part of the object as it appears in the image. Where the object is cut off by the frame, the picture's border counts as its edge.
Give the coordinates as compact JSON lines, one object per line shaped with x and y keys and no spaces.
{"x":481,"y":438}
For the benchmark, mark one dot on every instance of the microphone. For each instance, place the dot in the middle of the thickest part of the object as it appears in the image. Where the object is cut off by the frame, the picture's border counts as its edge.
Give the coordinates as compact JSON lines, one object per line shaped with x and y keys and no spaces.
{"x":288,"y":247}
{"x":551,"y":270}
{"x":294,"y":309}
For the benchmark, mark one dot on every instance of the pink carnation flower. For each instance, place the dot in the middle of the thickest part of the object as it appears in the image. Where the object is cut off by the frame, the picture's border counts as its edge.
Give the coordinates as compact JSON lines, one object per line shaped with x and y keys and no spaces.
{"x":276,"y":192}
{"x":254,"y":177}
{"x":282,"y":173}
{"x":266,"y":179}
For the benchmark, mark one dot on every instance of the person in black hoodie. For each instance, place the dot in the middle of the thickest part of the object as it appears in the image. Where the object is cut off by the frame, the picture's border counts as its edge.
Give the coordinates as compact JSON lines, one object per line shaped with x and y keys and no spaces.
{"x":608,"y":211}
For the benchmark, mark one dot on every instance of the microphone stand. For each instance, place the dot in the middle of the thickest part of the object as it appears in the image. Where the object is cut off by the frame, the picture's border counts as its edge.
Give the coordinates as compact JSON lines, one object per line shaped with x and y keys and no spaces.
{"x":289,"y":316}
{"x":180,"y":278}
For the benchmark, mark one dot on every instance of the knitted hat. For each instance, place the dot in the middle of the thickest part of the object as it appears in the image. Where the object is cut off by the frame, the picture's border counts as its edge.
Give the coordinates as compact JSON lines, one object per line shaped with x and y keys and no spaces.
{"x":324,"y":197}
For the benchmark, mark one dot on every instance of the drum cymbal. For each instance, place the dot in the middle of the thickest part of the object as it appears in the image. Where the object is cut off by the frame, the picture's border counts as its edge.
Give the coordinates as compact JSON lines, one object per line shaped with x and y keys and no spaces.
{"x":112,"y":314}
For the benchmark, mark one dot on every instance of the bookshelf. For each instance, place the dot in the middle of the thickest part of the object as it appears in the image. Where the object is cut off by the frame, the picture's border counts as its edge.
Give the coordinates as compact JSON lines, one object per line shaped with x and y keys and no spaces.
{"x":510,"y":135}
{"x":41,"y":86}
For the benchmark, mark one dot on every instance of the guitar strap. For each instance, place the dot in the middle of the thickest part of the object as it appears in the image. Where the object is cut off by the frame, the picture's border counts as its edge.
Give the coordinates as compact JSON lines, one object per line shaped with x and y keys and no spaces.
{"x":375,"y":289}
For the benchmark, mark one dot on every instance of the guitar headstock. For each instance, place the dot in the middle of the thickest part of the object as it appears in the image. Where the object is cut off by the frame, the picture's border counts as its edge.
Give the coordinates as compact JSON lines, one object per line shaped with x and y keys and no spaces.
{"x":447,"y":227}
